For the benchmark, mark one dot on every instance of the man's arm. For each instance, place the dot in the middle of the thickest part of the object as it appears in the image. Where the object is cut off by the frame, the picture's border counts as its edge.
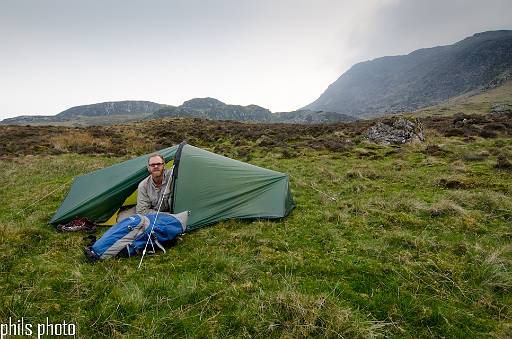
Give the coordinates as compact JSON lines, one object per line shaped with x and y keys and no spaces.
{"x":143,"y":202}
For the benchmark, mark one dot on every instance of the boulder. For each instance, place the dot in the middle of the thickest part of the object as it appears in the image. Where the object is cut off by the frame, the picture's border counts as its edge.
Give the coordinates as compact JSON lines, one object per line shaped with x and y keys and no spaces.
{"x":395,"y":131}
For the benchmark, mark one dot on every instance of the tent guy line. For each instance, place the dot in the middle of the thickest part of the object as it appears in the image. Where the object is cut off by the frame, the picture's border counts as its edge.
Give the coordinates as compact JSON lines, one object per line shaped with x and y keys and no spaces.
{"x":311,"y":186}
{"x":59,"y":188}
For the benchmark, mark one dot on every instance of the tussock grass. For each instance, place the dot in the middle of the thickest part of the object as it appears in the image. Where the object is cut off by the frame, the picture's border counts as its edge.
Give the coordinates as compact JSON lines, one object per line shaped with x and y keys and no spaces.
{"x":73,"y":142}
{"x":458,"y":166}
{"x":446,"y":207}
{"x":385,"y":241}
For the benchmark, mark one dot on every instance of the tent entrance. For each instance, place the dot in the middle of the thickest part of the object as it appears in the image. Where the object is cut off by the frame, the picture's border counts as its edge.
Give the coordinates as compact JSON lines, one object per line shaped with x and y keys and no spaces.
{"x":130,"y":202}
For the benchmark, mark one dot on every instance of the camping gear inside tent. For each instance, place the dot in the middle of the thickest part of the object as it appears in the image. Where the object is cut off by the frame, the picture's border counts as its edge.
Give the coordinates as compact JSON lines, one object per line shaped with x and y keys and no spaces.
{"x":212,"y":187}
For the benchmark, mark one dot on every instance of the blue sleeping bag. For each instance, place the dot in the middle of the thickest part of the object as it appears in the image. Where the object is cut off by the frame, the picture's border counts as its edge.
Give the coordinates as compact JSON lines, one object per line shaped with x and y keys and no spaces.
{"x":130,"y":235}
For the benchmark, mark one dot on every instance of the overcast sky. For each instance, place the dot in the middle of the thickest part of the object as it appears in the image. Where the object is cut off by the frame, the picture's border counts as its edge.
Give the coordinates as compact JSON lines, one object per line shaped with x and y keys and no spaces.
{"x":279,"y":54}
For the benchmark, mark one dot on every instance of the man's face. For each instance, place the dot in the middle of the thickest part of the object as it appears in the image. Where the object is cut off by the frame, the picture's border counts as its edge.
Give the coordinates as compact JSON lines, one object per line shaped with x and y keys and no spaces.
{"x":156,"y":166}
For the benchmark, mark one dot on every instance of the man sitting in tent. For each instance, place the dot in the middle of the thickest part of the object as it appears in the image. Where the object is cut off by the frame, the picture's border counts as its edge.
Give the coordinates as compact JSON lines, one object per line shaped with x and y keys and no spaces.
{"x":125,"y":237}
{"x":150,"y":190}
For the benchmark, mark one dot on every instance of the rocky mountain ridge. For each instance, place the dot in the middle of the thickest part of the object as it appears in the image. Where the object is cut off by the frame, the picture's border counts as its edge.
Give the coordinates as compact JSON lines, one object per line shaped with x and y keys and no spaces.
{"x":104,"y":113}
{"x":213,"y":109}
{"x":108,"y":113}
{"x":425,"y":77}
{"x":126,"y":107}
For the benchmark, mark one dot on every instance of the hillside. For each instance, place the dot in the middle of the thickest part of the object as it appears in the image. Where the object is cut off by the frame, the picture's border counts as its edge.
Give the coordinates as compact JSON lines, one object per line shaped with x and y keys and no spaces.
{"x":213,"y":109}
{"x":422,"y":78}
{"x":406,"y":241}
{"x":105,"y":113}
{"x":477,"y":102}
{"x":111,"y":108}
{"x":311,"y":117}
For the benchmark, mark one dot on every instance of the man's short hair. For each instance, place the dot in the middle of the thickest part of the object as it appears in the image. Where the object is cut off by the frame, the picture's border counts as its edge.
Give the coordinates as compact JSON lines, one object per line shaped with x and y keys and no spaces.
{"x":156,"y":155}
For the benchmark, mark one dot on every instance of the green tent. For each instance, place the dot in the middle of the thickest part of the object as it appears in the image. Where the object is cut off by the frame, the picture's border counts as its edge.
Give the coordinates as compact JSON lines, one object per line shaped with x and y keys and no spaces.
{"x":210,"y":186}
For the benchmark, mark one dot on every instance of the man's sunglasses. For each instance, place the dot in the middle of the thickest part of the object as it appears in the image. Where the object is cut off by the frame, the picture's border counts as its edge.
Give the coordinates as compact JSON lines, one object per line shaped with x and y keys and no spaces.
{"x":158,"y":164}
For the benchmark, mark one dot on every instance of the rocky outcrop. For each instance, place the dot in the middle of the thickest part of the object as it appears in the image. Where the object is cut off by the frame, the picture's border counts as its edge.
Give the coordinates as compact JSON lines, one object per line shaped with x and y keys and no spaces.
{"x":396,"y":131}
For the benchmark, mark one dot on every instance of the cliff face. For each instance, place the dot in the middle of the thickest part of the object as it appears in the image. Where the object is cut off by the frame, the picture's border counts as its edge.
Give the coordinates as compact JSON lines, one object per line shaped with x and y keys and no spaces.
{"x":422,"y":78}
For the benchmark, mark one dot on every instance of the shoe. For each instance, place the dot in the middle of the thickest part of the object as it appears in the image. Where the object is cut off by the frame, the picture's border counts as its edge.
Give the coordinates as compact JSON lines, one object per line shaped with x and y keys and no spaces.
{"x":90,"y":255}
{"x":78,"y":224}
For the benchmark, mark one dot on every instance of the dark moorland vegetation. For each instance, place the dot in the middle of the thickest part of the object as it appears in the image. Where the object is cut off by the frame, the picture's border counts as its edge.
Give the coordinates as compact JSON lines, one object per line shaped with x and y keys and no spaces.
{"x":410,"y":241}
{"x":226,"y":137}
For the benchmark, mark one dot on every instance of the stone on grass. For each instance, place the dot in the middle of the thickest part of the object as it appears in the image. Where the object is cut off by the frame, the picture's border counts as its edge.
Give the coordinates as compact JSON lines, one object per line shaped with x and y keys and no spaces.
{"x":395,"y":132}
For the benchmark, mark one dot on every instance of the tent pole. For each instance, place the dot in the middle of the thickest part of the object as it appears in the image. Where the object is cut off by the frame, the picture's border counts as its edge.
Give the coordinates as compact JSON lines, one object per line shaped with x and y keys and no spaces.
{"x":156,"y":217}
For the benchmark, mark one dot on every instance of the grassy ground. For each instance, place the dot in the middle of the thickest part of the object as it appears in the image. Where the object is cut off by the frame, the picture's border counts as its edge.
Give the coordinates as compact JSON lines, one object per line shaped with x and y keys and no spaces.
{"x":480,"y":103}
{"x":415,"y":243}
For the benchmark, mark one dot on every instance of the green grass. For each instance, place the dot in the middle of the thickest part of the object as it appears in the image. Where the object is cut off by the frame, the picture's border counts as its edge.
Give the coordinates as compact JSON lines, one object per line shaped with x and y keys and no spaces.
{"x":413,"y":245}
{"x":479,"y":103}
